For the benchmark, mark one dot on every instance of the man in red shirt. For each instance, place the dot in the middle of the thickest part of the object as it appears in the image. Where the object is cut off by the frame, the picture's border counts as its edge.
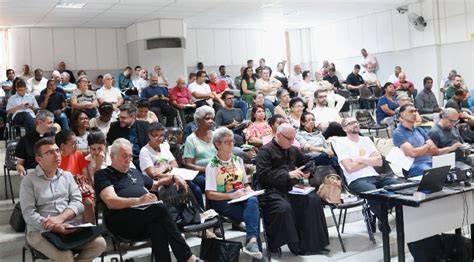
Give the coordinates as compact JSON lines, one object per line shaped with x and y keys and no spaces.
{"x":218,"y":86}
{"x":180,"y":98}
{"x":404,"y":85}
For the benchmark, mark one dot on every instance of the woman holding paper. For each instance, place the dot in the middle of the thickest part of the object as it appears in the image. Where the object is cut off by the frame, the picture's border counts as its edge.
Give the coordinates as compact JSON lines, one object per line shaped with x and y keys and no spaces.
{"x":226,"y":180}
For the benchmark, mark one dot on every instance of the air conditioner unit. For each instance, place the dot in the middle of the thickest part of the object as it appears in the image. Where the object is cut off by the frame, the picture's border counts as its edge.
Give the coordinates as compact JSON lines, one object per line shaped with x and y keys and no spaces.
{"x":172,"y":42}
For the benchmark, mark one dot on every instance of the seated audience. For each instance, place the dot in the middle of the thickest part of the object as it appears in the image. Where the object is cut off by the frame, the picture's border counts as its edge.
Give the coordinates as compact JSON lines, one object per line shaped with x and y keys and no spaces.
{"x":50,"y":200}
{"x":37,"y":83}
{"x":104,"y":119}
{"x":386,"y":106}
{"x":7,"y":85}
{"x":73,"y":161}
{"x":123,"y":81}
{"x":67,"y":86}
{"x":357,"y":157}
{"x":298,"y":221}
{"x":452,"y":86}
{"x":108,"y":93}
{"x":99,"y":157}
{"x":334,"y":100}
{"x":283,"y":107}
{"x":394,"y":77}
{"x":141,"y":81}
{"x":202,"y":94}
{"x":404,"y":86}
{"x":99,"y":82}
{"x":458,"y":102}
{"x":355,"y":81}
{"x":225,"y":180}
{"x":162,"y":80}
{"x":268,"y":85}
{"x":259,"y":100}
{"x":295,"y":78}
{"x":24,"y":154}
{"x":54,"y":102}
{"x":128,"y":127}
{"x":120,"y":188}
{"x":25,"y":73}
{"x":314,"y":144}
{"x":280,"y":74}
{"x":159,"y":100}
{"x":332,"y":78}
{"x":217,"y":86}
{"x":296,"y":110}
{"x":238,"y":80}
{"x":371,"y":78}
{"x":274,"y":122}
{"x":198,"y":148}
{"x":307,"y":87}
{"x":144,"y":113}
{"x":84,"y":99}
{"x":229,"y":116}
{"x":247,"y":85}
{"x":413,"y":141}
{"x":323,"y":114}
{"x":425,"y":100}
{"x":262,"y":66}
{"x":62,"y":69}
{"x":22,"y":106}
{"x":181,"y":99}
{"x":258,"y":128}
{"x":402,"y":100}
{"x":446,"y":136}
{"x":80,"y":127}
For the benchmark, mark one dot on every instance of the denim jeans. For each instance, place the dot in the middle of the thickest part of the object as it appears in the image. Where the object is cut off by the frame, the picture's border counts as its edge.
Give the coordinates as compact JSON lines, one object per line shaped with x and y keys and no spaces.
{"x":269,"y":104}
{"x":200,"y":180}
{"x":196,"y":190}
{"x":25,"y":119}
{"x":242,"y":105}
{"x":246,"y":211}
{"x":417,"y":169}
{"x":62,"y":121}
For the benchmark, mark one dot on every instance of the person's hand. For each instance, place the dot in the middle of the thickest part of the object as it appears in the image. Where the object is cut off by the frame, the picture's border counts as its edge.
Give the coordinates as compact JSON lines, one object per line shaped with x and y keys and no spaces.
{"x":433,"y":150}
{"x":63,"y":229}
{"x":296,"y":174}
{"x":180,"y":183}
{"x":49,"y":223}
{"x":238,"y":194}
{"x":233,"y":124}
{"x":455,"y":146}
{"x":148,"y":198}
{"x":49,"y":91}
{"x":182,"y":107}
{"x":251,"y":153}
{"x":99,"y":158}
{"x":329,"y":152}
{"x":21,"y":170}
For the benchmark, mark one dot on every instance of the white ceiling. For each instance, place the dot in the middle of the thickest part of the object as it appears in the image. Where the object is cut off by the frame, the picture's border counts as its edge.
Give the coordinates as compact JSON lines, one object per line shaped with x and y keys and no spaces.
{"x":196,"y":13}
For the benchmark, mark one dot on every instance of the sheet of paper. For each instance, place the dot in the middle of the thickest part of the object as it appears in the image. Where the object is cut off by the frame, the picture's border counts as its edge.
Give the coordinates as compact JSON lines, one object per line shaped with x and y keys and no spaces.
{"x":444,"y":160}
{"x":74,"y":226}
{"x":398,"y":158}
{"x":186,"y":174}
{"x":243,"y":198}
{"x":145,"y":206}
{"x":301,"y":192}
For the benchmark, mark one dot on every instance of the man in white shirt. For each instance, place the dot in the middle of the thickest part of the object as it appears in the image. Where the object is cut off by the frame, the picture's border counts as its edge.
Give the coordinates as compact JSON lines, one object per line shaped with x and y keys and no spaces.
{"x":357,"y":157}
{"x":108,"y":93}
{"x":323,"y":114}
{"x":295,"y":79}
{"x":368,"y":59}
{"x":202,"y":94}
{"x":394,"y":77}
{"x":37,"y":83}
{"x":141,"y":81}
{"x":268,"y":86}
{"x":370,"y":77}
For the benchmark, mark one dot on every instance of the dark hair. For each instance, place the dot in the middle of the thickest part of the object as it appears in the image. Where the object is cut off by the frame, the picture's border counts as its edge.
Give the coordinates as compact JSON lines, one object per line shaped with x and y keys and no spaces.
{"x":130,"y":108}
{"x":272,"y":120}
{"x":43,"y":141}
{"x":460,"y":92}
{"x":249,"y":61}
{"x":305,"y":73}
{"x":458,"y":76}
{"x":246,"y":77}
{"x":200,"y":64}
{"x":254,"y":110}
{"x":81,"y":71}
{"x":318,"y":91}
{"x":19,"y":83}
{"x":37,"y":70}
{"x":100,"y":77}
{"x":295,"y":100}
{"x":127,"y":68}
{"x":106,"y":108}
{"x":262,"y":59}
{"x":221,"y":66}
{"x":386,"y":85}
{"x":10,"y":70}
{"x":426,"y":79}
{"x":303,"y":118}
{"x":63,"y":137}
{"x":50,"y":80}
{"x":200,"y":73}
{"x":76,"y":113}
{"x":404,"y":107}
{"x":356,"y":66}
{"x":143,"y":104}
{"x":259,"y":69}
{"x":332,"y":69}
{"x":96,"y":136}
{"x":226,"y":93}
{"x":155,"y":126}
{"x":192,"y":75}
{"x":137,"y":67}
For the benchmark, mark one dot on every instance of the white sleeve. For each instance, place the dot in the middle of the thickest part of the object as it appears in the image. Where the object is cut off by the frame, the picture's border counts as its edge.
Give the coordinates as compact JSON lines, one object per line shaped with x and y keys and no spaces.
{"x":211,"y":174}
{"x":338,"y":148}
{"x":99,"y":93}
{"x":145,"y":159}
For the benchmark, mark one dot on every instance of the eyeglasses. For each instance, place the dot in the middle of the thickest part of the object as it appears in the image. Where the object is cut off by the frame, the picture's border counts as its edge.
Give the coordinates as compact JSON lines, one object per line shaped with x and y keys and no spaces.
{"x":454,"y":121}
{"x":322,"y":96}
{"x":51,"y":152}
{"x":228,"y":141}
{"x":352,"y":123}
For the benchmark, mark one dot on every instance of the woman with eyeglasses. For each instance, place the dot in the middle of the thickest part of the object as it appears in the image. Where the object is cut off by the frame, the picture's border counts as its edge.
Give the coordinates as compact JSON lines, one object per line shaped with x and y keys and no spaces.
{"x":296,"y":110}
{"x":73,"y":161}
{"x":226,"y":180}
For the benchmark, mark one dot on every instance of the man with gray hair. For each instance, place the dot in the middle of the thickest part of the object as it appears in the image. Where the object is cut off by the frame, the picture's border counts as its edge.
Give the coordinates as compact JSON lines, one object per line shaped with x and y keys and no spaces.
{"x":24,"y":154}
{"x":298,"y":221}
{"x":446,"y":136}
{"x":67,"y":86}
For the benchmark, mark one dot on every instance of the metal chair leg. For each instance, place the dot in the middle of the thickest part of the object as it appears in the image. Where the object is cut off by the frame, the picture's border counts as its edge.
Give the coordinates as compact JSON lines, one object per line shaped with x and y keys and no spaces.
{"x":23,"y":251}
{"x":337,"y":229}
{"x":11,"y":187}
{"x":344,"y":220}
{"x":5,"y":181}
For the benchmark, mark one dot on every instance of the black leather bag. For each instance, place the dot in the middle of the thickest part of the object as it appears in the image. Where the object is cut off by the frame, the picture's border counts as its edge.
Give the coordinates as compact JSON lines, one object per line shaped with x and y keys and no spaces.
{"x":216,"y":250}
{"x":73,"y":240}
{"x":182,"y":206}
{"x":16,"y":220}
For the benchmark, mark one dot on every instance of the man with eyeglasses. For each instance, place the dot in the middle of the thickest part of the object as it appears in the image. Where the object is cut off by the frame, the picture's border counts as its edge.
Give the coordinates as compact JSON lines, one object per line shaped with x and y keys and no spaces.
{"x":357,"y":157}
{"x":413,"y":141}
{"x":50,"y":199}
{"x":24,"y":154}
{"x":446,"y":136}
{"x":297,"y":221}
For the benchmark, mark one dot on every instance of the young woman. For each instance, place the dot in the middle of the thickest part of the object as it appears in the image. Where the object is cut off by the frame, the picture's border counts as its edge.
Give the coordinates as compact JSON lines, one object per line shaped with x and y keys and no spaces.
{"x":248,"y":85}
{"x":258,"y":128}
{"x":80,"y":126}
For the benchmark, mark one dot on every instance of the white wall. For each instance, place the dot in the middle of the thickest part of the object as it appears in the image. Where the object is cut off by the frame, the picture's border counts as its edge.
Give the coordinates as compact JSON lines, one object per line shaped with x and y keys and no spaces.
{"x":94,"y":50}
{"x":233,"y":47}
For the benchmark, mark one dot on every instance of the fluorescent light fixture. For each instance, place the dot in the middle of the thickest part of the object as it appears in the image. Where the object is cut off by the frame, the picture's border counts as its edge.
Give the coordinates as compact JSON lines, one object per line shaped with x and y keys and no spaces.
{"x":71,"y":5}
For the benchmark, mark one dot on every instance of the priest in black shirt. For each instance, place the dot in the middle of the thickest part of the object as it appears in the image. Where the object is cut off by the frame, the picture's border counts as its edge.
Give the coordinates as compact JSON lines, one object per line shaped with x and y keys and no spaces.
{"x":296,"y":220}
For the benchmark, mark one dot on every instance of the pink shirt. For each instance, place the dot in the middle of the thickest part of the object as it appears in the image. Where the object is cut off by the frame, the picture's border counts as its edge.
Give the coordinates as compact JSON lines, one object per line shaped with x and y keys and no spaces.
{"x":182,"y":97}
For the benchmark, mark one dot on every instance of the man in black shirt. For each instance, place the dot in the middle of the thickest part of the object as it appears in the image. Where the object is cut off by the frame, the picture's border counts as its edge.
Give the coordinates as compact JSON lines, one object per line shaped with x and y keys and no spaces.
{"x":331,"y":77}
{"x":55,"y":102}
{"x":354,"y":82}
{"x":24,"y":153}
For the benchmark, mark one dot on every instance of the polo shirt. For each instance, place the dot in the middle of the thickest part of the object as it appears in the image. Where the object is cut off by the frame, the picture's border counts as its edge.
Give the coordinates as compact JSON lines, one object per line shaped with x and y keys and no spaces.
{"x":24,"y":149}
{"x":151,"y":91}
{"x":444,"y":137}
{"x":415,"y":137}
{"x":218,"y":87}
{"x":333,"y":80}
{"x":55,"y":101}
{"x":383,"y":100}
{"x":181,"y":97}
{"x":355,"y":80}
{"x":16,"y":100}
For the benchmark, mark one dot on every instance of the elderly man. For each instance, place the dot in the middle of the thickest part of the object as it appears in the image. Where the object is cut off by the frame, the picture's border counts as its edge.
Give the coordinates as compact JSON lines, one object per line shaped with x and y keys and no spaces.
{"x":413,"y":141}
{"x":446,"y":136}
{"x":404,"y":86}
{"x":108,"y":93}
{"x":267,"y":85}
{"x":24,"y":154}
{"x":67,"y":86}
{"x":358,"y":156}
{"x":425,"y":101}
{"x":295,"y":79}
{"x":128,"y":127}
{"x":121,"y":188}
{"x":84,"y":99}
{"x":181,"y":99}
{"x":54,"y":102}
{"x":295,"y":220}
{"x":50,"y":199}
{"x":62,"y":69}
{"x":159,"y":101}
{"x":368,"y":59}
{"x":37,"y":83}
{"x":22,"y":105}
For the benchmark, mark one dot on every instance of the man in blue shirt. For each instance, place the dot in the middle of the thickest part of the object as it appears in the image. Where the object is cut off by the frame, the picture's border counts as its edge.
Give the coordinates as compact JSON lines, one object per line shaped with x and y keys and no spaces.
{"x":159,"y":101}
{"x":123,"y":80}
{"x":413,"y":141}
{"x":22,"y":106}
{"x":7,"y":84}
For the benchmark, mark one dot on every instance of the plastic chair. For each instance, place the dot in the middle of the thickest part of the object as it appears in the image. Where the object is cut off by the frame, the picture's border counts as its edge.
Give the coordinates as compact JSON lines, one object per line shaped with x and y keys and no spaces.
{"x":13,"y":130}
{"x":366,"y":121}
{"x":366,"y":95}
{"x":350,"y":100}
{"x":9,"y":165}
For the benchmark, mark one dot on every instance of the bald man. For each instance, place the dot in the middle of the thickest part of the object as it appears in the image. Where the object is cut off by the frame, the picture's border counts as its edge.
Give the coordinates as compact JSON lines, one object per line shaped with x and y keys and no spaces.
{"x":404,"y":86}
{"x":181,"y":99}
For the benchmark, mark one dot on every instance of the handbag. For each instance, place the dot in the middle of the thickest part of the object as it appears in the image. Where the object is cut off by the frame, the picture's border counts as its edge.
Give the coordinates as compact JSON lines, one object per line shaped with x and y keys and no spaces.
{"x":182,"y":206}
{"x":330,"y":189}
{"x":16,"y":220}
{"x":73,"y":240}
{"x":217,"y":250}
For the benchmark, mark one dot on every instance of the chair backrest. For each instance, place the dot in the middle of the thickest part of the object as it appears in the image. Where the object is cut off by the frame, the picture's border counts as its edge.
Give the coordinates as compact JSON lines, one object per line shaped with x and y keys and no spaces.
{"x":378,"y":91}
{"x":174,"y":135}
{"x":365,"y":92}
{"x":10,"y":159}
{"x":344,"y":92}
{"x":364,"y":118}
